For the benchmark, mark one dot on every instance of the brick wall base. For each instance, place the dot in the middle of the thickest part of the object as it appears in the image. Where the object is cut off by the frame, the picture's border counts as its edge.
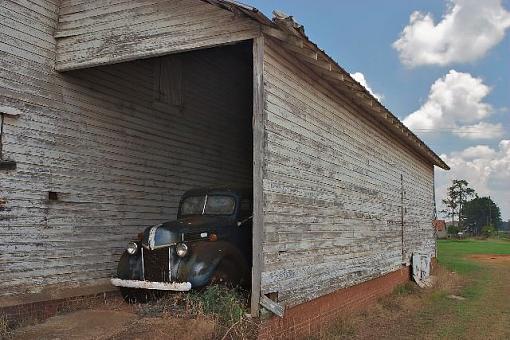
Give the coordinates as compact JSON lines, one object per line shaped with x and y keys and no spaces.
{"x":44,"y":309}
{"x":310,"y":318}
{"x":300,"y":321}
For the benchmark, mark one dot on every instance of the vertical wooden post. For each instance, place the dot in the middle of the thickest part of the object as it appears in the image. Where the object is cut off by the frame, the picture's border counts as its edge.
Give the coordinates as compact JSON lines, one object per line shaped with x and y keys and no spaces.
{"x":258,"y":170}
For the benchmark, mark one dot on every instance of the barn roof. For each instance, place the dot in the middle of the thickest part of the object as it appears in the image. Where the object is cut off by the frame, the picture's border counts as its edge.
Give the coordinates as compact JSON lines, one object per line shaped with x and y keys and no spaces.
{"x":291,"y":35}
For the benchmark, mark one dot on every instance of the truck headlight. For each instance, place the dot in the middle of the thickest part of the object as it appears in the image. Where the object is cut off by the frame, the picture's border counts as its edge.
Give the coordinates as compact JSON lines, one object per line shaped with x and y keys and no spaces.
{"x":181,"y":249}
{"x":132,"y":248}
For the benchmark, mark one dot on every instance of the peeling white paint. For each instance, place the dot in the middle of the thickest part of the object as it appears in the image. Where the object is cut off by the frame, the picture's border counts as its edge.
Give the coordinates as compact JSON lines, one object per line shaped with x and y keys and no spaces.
{"x":421,"y":270}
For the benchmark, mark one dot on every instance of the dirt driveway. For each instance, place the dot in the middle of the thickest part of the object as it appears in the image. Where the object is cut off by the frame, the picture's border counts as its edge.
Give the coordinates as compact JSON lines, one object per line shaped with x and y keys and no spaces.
{"x":113,"y":324}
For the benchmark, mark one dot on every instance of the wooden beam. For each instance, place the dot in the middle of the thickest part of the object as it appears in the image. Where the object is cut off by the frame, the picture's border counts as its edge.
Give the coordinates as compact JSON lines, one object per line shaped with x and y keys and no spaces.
{"x":272,"y":306}
{"x":281,"y":35}
{"x":258,"y":171}
{"x":324,"y":66}
{"x":303,"y":51}
{"x":315,"y":58}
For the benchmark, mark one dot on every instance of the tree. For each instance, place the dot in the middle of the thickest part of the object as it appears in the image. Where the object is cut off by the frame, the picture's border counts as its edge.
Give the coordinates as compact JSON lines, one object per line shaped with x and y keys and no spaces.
{"x":481,"y":212}
{"x":450,"y":203}
{"x":488,"y":230}
{"x":457,"y":195}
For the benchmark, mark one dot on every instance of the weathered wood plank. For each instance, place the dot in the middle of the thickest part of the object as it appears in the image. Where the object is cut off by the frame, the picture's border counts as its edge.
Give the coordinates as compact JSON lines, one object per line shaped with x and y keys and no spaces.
{"x":102,"y":36}
{"x":332,"y":190}
{"x":258,"y":170}
{"x":118,"y":162}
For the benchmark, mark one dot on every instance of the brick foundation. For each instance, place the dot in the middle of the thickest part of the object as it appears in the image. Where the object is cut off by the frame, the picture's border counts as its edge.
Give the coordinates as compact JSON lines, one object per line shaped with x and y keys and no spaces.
{"x":310,"y":318}
{"x":299,"y":321}
{"x":44,"y":309}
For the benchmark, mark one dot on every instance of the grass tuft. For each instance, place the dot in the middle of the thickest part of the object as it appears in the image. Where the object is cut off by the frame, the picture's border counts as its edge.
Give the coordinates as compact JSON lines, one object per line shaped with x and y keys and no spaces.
{"x":406,"y":289}
{"x":225,"y":306}
{"x":228,"y":307}
{"x":342,"y":328}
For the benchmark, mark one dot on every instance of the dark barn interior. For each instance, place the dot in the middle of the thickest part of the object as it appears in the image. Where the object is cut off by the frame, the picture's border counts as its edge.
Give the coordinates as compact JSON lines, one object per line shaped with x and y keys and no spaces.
{"x":154,"y":128}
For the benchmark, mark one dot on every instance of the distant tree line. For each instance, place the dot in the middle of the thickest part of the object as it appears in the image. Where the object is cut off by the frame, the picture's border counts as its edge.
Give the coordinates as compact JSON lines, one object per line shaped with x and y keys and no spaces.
{"x":481,"y":215}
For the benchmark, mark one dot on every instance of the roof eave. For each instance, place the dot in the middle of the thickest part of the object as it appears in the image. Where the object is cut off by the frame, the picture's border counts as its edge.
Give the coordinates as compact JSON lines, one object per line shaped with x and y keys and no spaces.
{"x":293,"y":38}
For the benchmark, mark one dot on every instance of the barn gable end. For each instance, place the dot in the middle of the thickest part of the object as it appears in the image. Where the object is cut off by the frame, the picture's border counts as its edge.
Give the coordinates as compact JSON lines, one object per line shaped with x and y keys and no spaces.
{"x":93,"y":33}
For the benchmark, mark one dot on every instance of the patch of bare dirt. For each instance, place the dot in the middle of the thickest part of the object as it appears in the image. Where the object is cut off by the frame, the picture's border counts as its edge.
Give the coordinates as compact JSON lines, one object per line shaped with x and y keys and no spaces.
{"x":169,"y":328}
{"x":495,"y":258}
{"x":113,"y":324}
{"x":84,"y":324}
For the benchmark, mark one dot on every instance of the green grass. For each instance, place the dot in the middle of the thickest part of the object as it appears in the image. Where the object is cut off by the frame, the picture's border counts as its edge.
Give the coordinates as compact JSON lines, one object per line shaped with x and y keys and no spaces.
{"x":415,"y":313}
{"x":452,"y":253}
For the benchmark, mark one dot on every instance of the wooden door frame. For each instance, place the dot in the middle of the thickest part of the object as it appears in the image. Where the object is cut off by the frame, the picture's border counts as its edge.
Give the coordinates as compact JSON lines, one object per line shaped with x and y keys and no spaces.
{"x":258,"y":171}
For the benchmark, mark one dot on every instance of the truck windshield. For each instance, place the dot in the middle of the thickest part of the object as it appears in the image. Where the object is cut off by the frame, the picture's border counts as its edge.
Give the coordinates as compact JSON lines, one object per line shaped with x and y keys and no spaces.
{"x":208,"y":205}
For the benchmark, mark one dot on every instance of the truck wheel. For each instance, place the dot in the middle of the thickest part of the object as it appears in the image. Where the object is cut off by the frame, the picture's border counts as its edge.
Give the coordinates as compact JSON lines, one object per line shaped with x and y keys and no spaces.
{"x":227,"y":273}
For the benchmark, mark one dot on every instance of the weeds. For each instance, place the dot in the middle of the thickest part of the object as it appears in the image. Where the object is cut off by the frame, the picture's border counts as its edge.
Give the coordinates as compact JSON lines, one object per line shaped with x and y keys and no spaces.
{"x":5,"y":330}
{"x":226,"y":307}
{"x":406,"y":289}
{"x":341,"y":329}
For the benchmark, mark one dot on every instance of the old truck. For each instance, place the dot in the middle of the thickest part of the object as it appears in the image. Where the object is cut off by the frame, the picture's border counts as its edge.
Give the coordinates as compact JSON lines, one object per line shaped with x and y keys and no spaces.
{"x":210,"y":242}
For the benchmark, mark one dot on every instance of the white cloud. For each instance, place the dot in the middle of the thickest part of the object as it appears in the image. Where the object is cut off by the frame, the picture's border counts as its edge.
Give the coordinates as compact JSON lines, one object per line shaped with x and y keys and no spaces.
{"x":455,"y":103}
{"x":465,"y":33}
{"x":474,"y":152}
{"x":481,"y":130}
{"x":486,"y":169}
{"x":360,"y":78}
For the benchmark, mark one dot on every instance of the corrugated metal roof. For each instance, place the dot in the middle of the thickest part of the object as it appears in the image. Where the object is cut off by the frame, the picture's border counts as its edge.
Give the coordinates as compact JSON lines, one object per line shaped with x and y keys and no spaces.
{"x":285,"y":28}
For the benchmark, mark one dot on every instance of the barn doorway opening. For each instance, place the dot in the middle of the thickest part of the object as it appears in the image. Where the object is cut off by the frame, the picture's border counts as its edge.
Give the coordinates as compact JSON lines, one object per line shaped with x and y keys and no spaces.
{"x":156,"y":128}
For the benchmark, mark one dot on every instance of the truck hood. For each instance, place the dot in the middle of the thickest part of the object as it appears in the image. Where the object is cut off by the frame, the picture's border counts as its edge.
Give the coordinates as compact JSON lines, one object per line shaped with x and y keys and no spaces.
{"x":185,"y":229}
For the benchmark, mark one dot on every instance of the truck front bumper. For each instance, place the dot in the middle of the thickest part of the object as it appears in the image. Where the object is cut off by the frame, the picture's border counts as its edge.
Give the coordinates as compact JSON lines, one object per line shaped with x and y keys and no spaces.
{"x":175,"y":286}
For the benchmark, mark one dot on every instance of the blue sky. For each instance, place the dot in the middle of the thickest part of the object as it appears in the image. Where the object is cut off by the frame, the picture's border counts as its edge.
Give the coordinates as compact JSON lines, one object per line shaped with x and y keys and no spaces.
{"x":360,"y":34}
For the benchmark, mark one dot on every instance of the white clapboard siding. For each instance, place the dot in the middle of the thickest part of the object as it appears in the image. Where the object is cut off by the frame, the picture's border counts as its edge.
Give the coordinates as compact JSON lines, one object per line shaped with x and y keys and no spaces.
{"x":118,"y":161}
{"x":106,"y":32}
{"x":332,"y":190}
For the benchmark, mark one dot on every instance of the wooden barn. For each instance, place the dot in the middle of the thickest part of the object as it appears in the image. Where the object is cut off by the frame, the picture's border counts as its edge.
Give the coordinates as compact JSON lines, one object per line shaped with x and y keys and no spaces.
{"x":110,"y":110}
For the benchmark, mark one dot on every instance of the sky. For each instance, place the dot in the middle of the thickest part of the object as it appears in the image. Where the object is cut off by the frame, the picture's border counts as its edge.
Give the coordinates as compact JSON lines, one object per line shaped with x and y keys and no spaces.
{"x":441,"y":66}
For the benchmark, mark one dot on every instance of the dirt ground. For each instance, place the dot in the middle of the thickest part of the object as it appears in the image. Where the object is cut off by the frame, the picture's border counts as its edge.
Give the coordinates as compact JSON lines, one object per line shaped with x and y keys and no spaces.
{"x":476,"y":306}
{"x":497,"y":258}
{"x":457,"y":307}
{"x":113,"y":324}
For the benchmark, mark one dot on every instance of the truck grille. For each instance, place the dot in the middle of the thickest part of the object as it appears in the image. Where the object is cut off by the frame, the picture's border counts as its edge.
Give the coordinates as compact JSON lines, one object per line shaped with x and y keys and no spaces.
{"x":156,"y":265}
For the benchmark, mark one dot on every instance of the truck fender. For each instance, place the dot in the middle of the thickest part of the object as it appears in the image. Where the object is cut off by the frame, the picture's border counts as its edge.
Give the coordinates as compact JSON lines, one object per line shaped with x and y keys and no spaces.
{"x":205,"y":258}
